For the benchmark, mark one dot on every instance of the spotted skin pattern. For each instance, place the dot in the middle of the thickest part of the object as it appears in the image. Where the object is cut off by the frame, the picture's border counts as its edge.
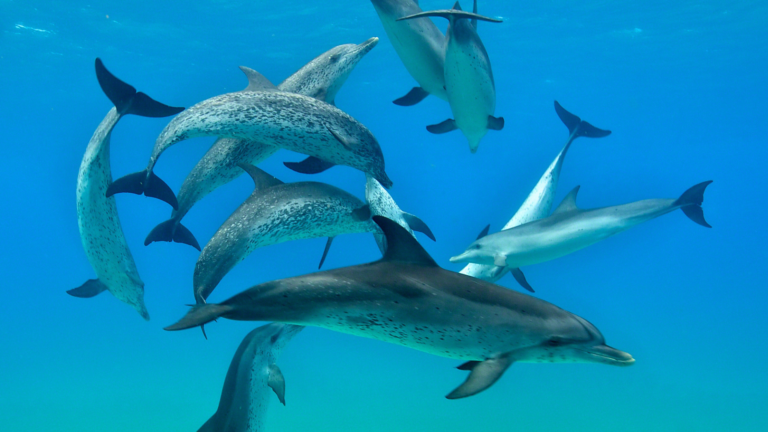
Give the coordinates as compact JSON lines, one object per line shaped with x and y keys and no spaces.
{"x":100,"y":229}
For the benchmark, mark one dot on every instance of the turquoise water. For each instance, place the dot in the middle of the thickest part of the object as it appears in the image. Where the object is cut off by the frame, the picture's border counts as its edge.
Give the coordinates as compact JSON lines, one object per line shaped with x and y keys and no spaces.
{"x":680,"y":84}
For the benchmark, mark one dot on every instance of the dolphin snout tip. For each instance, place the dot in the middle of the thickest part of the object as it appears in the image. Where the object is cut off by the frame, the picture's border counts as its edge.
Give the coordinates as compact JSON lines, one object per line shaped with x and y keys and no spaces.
{"x":369,"y":44}
{"x":455,"y":259}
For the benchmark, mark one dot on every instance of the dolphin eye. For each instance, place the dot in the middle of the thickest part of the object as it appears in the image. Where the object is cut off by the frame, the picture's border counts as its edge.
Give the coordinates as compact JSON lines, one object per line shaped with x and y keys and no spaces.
{"x":476,"y":247}
{"x":554,"y":342}
{"x":334,"y":58}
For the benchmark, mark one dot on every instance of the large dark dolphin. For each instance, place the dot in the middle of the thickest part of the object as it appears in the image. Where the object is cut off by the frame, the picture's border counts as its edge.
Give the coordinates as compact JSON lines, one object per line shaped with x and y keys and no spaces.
{"x":468,"y":77}
{"x":419,"y":44}
{"x":570,"y":228}
{"x":287,"y":120}
{"x":252,"y":372}
{"x":407,"y":299}
{"x":321,"y":79}
{"x":539,"y":201}
{"x":100,"y":229}
{"x":277,"y":212}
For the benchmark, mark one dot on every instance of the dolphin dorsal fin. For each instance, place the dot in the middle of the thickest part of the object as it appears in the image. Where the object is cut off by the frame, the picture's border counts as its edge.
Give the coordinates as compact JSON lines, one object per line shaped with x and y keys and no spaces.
{"x":569,"y":202}
{"x":257,"y":81}
{"x":261,"y":179}
{"x":401,"y":245}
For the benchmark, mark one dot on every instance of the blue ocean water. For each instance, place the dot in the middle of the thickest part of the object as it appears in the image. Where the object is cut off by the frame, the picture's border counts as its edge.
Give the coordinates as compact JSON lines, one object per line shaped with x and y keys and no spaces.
{"x":681,"y":85}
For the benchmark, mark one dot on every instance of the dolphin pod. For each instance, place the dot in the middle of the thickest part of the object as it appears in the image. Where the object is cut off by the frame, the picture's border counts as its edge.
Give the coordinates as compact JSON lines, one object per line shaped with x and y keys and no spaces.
{"x":570,"y":228}
{"x":539,"y":202}
{"x":321,"y":79}
{"x":252,"y":372}
{"x":100,"y":229}
{"x":407,"y":299}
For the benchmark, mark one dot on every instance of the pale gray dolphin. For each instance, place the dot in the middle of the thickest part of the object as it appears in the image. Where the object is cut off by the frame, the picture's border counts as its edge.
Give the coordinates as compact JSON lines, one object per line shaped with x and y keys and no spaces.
{"x":100,"y":229}
{"x":539,"y":201}
{"x":252,"y":372}
{"x":407,"y":299}
{"x":277,"y":212}
{"x":419,"y":44}
{"x":281,"y":119}
{"x":321,"y":78}
{"x":569,"y":229}
{"x":468,"y":77}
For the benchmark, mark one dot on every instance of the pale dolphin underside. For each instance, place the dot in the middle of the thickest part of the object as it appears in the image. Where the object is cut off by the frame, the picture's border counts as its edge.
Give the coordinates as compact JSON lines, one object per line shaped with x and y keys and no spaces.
{"x":100,"y":229}
{"x":407,"y":299}
{"x":539,"y":202}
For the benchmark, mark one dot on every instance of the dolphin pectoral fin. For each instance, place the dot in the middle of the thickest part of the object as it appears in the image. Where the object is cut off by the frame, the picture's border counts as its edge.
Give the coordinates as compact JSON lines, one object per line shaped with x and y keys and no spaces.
{"x":91,"y":288}
{"x":339,"y":138}
{"x":483,"y":375}
{"x":468,"y":365}
{"x":363,"y":213}
{"x":690,"y":203}
{"x":416,"y":95}
{"x":261,"y":179}
{"x":484,"y":232}
{"x":417,"y":224}
{"x":172,"y":231}
{"x":451,"y":15}
{"x":500,"y":260}
{"x":495,"y":123}
{"x":277,"y":382}
{"x":520,"y":278}
{"x":257,"y":81}
{"x":132,"y":183}
{"x":442,"y":127}
{"x":325,"y":252}
{"x":310,"y":165}
{"x":199,"y":315}
{"x":157,"y":188}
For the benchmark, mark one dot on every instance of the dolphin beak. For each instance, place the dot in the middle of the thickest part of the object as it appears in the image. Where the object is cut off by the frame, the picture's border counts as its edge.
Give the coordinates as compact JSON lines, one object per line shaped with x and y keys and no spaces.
{"x":368,"y":45}
{"x":460,"y":258}
{"x":609,"y":355}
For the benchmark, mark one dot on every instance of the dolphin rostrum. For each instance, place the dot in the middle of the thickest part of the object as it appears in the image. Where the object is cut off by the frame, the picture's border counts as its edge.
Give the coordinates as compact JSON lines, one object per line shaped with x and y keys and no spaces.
{"x":252,"y":372}
{"x":468,"y":77}
{"x":277,"y":212}
{"x":286,"y":120}
{"x":100,"y":229}
{"x":407,"y":299}
{"x":539,"y":201}
{"x":570,"y":228}
{"x":321,"y":79}
{"x":419,"y":44}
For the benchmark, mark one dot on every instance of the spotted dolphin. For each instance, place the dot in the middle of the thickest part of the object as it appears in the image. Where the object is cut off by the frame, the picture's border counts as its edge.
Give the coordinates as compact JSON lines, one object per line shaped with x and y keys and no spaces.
{"x":419,"y":44}
{"x":100,"y":229}
{"x":321,"y":79}
{"x":277,"y":212}
{"x":252,"y":372}
{"x":407,"y":299}
{"x":539,"y":201}
{"x":281,"y":119}
{"x":468,"y":77}
{"x":570,"y":228}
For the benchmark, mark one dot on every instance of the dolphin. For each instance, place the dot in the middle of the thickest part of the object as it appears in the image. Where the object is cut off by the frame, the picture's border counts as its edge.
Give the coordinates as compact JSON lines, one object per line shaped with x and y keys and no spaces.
{"x":321,"y":78}
{"x":419,"y":44}
{"x":274,"y":213}
{"x":539,"y":201}
{"x":100,"y":229}
{"x":570,"y":228}
{"x":245,"y":398}
{"x":281,"y":119}
{"x":468,"y":77}
{"x":407,"y":299}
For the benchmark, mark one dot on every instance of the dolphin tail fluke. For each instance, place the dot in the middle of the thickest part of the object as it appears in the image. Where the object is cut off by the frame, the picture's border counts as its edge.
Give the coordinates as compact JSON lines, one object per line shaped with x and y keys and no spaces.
{"x":136,"y":183}
{"x":690,"y":203}
{"x":310,"y":165}
{"x":199,"y":315}
{"x":416,"y":95}
{"x":451,"y":15}
{"x":576,"y":126}
{"x":172,"y":231}
{"x":443,"y":127}
{"x":417,"y":224}
{"x":91,"y":288}
{"x":483,"y":375}
{"x":127,"y":100}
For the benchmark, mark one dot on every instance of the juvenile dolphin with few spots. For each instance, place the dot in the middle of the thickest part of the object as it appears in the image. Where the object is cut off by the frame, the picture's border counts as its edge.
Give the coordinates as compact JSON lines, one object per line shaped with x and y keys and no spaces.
{"x":286,"y":120}
{"x":407,"y":299}
{"x":468,"y":76}
{"x":569,"y":229}
{"x":251,"y":374}
{"x":97,"y":217}
{"x":539,"y":201}
{"x":321,"y":79}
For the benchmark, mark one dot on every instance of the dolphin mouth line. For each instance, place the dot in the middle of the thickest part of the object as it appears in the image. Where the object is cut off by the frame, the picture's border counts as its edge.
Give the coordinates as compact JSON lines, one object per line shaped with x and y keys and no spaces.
{"x":368,"y":45}
{"x":622,"y":362}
